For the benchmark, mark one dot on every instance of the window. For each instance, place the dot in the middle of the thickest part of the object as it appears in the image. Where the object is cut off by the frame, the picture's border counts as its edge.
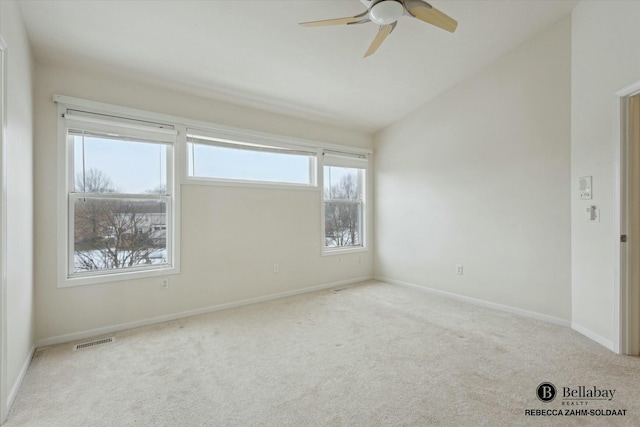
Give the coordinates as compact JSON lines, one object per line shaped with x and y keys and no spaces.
{"x":344,"y":197}
{"x":213,"y":157}
{"x":120,"y":196}
{"x":119,"y":192}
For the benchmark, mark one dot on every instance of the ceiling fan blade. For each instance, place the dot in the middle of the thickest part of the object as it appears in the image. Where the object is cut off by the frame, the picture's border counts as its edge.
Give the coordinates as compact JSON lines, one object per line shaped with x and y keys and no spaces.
{"x":338,"y":21}
{"x":383,"y":32}
{"x":429,"y":14}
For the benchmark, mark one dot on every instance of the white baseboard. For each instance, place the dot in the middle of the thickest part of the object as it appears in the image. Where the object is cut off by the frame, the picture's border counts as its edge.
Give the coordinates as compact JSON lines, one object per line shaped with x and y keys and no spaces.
{"x":481,"y":303}
{"x":593,"y":336}
{"x":16,"y":385}
{"x":166,"y":318}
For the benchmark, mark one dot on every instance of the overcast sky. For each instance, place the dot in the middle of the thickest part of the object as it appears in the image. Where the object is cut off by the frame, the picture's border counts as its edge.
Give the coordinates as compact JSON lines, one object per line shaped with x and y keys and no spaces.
{"x":136,"y":167}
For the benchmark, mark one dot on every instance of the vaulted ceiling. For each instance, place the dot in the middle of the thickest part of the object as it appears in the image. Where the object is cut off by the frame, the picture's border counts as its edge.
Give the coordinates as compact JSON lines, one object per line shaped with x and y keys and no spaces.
{"x":254,"y":52}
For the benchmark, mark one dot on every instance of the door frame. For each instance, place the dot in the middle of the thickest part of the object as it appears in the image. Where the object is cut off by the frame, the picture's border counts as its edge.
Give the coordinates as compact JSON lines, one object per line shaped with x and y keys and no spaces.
{"x":4,"y":409}
{"x":626,"y":339}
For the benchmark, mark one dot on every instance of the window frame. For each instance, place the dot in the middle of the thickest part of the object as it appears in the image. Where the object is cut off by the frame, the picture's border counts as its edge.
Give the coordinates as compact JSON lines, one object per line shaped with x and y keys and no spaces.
{"x":355,"y":160}
{"x":246,"y":141}
{"x":66,"y":202}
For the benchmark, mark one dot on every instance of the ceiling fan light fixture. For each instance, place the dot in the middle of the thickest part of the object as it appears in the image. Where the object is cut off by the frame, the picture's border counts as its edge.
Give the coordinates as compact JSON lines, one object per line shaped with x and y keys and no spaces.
{"x":386,"y":12}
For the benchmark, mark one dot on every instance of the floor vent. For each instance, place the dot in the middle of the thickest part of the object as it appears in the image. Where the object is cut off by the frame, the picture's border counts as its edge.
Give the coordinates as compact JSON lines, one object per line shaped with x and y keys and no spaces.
{"x":94,"y":343}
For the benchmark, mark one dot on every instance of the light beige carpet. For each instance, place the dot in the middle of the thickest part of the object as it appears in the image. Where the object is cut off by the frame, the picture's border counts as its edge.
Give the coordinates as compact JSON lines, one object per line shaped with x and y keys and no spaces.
{"x":366,"y":355}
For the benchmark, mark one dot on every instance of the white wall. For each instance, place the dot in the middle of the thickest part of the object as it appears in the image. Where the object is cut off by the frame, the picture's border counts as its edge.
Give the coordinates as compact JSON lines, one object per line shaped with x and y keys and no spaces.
{"x":480,"y":177}
{"x":231,"y":236}
{"x":605,"y":41}
{"x":19,"y":268}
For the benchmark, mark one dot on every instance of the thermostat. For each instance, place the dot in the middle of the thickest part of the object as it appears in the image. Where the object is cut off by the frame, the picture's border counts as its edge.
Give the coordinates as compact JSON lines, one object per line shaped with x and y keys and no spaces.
{"x":584,"y":192}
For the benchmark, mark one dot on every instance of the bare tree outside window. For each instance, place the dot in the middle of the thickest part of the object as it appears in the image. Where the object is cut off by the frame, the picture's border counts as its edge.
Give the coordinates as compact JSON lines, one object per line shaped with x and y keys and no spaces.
{"x":93,"y":181}
{"x":116,"y":233}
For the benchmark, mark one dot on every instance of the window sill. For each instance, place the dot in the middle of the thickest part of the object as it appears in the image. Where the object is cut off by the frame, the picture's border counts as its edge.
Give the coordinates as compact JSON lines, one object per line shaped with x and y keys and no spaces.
{"x":343,"y":251}
{"x":67,"y":282}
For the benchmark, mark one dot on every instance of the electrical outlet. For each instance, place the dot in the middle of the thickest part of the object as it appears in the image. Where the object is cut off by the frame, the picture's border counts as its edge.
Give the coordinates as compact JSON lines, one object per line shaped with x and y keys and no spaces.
{"x":459,"y":270}
{"x":165,"y":284}
{"x":276,"y":268}
{"x":339,"y":259}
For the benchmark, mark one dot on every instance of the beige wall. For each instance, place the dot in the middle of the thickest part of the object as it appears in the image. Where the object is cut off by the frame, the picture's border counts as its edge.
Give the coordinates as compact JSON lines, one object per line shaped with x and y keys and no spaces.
{"x":231,"y":236}
{"x":19,"y":144}
{"x":480,"y":177}
{"x":605,"y":40}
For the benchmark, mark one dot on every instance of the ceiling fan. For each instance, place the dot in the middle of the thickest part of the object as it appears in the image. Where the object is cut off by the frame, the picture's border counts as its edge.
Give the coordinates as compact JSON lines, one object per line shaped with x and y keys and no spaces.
{"x":385,"y":13}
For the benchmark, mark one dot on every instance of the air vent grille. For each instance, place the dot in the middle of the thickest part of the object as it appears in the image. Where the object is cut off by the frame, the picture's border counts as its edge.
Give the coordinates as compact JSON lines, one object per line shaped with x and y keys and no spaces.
{"x":94,"y":343}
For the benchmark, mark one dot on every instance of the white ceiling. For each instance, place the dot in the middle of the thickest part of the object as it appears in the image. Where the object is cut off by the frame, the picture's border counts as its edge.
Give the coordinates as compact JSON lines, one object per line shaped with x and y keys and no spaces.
{"x":254,"y":53}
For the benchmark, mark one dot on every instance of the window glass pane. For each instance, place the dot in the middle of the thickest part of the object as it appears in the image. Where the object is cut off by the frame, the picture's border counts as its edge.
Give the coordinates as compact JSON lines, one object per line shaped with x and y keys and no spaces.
{"x":342,"y":224}
{"x":108,"y":165}
{"x":342,"y":183}
{"x":210,"y":161}
{"x":113,"y":234}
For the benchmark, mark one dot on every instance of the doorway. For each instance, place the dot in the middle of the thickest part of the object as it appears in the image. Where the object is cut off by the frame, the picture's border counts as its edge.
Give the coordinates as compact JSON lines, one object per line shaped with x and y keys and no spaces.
{"x":627,"y":222}
{"x":633,"y":209}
